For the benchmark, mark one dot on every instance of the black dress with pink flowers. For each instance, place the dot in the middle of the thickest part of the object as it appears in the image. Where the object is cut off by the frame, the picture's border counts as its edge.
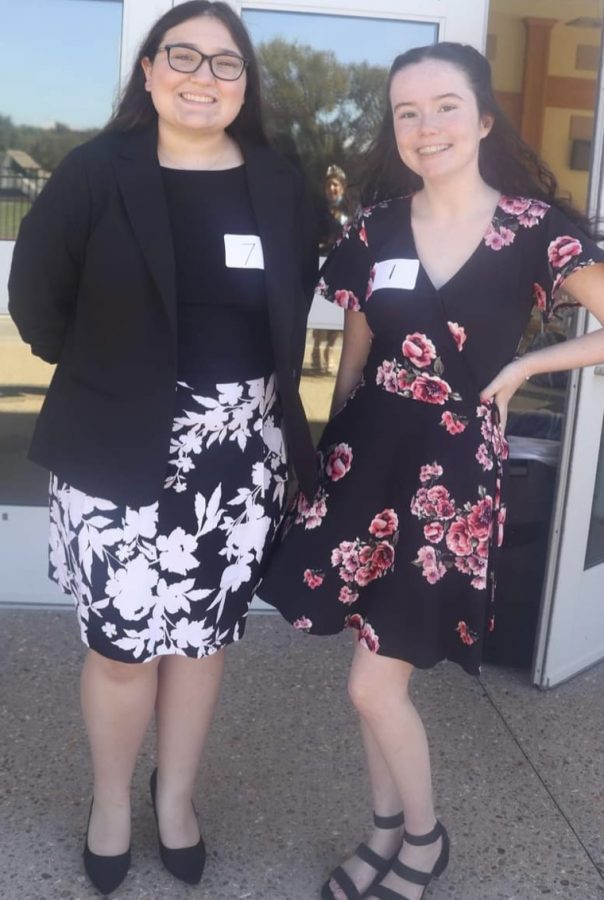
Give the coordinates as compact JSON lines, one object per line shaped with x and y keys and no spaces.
{"x":400,"y":539}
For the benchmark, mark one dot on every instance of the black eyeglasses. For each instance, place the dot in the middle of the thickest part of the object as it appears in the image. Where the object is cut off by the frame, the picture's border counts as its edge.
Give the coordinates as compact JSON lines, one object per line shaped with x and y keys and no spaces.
{"x":225,"y":66}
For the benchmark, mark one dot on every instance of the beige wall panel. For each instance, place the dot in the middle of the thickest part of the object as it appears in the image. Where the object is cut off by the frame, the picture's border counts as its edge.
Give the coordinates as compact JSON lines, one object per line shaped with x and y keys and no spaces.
{"x":508,"y":67}
{"x":565,"y":40}
{"x":556,"y":152}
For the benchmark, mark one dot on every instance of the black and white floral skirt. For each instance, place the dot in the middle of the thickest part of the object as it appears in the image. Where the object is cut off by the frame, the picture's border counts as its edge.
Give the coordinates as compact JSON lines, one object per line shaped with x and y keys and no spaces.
{"x":177,"y":577}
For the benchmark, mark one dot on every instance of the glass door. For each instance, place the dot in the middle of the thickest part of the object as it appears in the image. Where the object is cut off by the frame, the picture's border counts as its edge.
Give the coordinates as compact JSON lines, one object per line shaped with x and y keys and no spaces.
{"x":571,"y":634}
{"x":41,"y":118}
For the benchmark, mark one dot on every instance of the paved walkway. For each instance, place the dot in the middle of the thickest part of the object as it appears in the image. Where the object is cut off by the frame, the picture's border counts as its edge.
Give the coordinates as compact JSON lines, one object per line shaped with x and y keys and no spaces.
{"x":283,"y":794}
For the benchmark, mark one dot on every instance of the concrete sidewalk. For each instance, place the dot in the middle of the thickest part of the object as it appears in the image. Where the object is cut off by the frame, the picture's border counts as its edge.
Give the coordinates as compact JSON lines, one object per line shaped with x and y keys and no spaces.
{"x":283,"y":795}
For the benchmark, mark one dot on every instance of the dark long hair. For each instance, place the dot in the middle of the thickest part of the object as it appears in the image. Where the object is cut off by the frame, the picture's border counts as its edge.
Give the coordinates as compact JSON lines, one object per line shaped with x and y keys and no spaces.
{"x":505,"y":161}
{"x":135,"y":108}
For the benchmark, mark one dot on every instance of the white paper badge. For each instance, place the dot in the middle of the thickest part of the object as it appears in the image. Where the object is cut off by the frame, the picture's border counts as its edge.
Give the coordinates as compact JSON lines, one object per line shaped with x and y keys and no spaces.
{"x":396,"y":273}
{"x":243,"y":251}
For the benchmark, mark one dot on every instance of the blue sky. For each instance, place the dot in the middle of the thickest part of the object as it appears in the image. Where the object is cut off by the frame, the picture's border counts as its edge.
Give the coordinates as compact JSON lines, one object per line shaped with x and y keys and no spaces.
{"x":352,"y":39}
{"x":59,"y":59}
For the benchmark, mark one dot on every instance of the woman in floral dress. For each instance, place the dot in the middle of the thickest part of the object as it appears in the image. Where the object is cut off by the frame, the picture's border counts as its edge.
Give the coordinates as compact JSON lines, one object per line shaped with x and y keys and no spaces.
{"x":167,"y":268}
{"x":461,"y":237}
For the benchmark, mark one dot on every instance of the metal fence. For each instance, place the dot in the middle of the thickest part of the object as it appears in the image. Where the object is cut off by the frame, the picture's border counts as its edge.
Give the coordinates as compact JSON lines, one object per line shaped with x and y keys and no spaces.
{"x":18,"y":190}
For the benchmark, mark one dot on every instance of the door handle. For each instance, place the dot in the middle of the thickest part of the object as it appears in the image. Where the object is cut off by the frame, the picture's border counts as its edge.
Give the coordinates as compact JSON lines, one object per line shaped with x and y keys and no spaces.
{"x":599,"y":370}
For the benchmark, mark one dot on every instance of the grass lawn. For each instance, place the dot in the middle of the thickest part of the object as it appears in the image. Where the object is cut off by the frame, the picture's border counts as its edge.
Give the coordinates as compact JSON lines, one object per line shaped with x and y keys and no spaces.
{"x":11,"y":213}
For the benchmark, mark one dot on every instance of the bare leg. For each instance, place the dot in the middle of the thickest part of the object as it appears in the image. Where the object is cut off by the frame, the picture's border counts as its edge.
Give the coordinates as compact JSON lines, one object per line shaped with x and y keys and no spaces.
{"x":379,"y":690}
{"x":117,"y":704}
{"x":386,"y":802}
{"x":186,"y":699}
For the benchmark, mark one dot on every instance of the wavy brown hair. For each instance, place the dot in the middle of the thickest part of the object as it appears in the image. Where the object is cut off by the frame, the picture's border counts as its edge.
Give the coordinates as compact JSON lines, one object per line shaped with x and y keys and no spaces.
{"x":505,"y":161}
{"x":135,"y":108}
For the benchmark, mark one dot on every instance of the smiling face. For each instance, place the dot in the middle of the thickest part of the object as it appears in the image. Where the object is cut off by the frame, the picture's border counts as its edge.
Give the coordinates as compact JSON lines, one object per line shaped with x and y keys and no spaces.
{"x":437,"y":125}
{"x":196,"y":101}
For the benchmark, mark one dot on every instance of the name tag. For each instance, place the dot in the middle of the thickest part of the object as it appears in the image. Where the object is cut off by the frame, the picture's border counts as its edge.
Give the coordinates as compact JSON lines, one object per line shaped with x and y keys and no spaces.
{"x":243,"y":251}
{"x":396,"y":273}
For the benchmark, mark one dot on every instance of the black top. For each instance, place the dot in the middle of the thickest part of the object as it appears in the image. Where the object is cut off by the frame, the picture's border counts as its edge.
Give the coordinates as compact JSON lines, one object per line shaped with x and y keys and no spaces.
{"x":223,"y":325}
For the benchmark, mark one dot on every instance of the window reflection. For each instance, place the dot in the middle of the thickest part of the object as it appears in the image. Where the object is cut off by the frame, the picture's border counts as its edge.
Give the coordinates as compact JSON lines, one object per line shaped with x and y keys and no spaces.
{"x":59,"y":68}
{"x":323,"y":82}
{"x":595,"y":541}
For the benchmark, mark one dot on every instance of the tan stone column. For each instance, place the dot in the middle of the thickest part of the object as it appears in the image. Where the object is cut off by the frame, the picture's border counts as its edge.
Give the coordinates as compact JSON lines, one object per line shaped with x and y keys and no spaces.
{"x":534,"y":90}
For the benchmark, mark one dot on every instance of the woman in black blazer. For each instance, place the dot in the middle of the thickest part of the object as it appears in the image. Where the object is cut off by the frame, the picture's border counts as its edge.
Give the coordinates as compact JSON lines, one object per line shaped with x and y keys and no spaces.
{"x":167,"y":268}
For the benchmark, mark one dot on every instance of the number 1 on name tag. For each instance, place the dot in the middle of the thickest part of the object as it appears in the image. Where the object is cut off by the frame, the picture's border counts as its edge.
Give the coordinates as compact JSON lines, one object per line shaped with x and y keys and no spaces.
{"x":243,"y":251}
{"x":396,"y":273}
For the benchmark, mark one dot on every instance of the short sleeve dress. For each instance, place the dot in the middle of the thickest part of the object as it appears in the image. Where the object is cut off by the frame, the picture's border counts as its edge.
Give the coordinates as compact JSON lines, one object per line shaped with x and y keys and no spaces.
{"x":400,"y":540}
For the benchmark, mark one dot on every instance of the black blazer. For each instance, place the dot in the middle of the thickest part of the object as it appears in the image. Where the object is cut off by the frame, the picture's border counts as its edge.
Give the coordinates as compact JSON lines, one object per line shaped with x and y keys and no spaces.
{"x":92,"y":288}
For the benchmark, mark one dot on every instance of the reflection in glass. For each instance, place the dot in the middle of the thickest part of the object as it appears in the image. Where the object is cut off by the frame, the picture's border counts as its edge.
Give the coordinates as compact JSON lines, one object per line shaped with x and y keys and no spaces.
{"x":323,"y":83}
{"x":59,"y":68}
{"x":23,"y":383}
{"x":595,"y":540}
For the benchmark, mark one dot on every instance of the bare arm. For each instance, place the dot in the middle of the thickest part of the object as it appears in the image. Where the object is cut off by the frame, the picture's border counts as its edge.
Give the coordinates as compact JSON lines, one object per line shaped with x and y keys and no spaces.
{"x":587,"y":286}
{"x":355,"y":350}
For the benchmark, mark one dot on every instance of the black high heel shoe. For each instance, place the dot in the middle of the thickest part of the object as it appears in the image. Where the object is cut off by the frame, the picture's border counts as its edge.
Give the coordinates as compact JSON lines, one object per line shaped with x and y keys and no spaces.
{"x":415,"y":876}
{"x":105,"y":872}
{"x":185,"y":863}
{"x":369,"y":856}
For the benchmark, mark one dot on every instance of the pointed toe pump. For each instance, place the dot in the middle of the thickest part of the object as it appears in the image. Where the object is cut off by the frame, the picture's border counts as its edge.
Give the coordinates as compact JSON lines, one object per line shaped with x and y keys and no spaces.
{"x":106,"y":873}
{"x":185,"y":863}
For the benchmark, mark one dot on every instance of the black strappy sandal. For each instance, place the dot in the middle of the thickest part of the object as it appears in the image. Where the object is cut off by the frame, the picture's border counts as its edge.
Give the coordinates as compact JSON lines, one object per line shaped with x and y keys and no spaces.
{"x":369,"y":856}
{"x":414,"y":875}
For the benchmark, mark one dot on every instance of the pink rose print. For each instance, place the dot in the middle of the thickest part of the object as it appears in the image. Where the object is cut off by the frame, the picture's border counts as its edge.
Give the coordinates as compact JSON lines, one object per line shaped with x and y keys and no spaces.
{"x":466,"y":531}
{"x":347,"y":596}
{"x":458,"y":538}
{"x":387,"y":376}
{"x":369,"y":639}
{"x":303,"y":624}
{"x":491,"y":625}
{"x":384,"y":524}
{"x":467,"y":636}
{"x":419,"y":349}
{"x":354,"y":621}
{"x":434,"y":532}
{"x":453,"y":423}
{"x":367,"y":636}
{"x":480,"y":519}
{"x":561,"y":251}
{"x":365,"y":574}
{"x":432,"y":568}
{"x":363,"y":234}
{"x":308,"y":514}
{"x":347,"y":300}
{"x":404,"y":380}
{"x":430,"y":389}
{"x":339,"y":462}
{"x":483,"y":457}
{"x":514,"y":205}
{"x":497,"y":238}
{"x":539,"y":297}
{"x":383,"y":556}
{"x":459,"y":334}
{"x":313,"y":578}
{"x":501,"y":516}
{"x":427,"y":473}
{"x":534,"y":213}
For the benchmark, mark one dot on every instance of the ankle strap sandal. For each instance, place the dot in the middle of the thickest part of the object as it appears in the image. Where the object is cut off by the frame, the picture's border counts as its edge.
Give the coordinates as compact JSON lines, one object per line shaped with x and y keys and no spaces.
{"x":415,"y":876}
{"x":369,"y":856}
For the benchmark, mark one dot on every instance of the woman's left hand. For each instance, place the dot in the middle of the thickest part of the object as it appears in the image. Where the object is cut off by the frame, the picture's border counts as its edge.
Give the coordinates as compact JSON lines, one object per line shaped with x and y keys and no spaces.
{"x":503,"y":387}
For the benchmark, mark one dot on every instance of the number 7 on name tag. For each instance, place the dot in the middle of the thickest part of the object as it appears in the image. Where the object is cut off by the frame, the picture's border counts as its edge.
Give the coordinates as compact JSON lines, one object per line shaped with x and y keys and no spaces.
{"x":243,"y":251}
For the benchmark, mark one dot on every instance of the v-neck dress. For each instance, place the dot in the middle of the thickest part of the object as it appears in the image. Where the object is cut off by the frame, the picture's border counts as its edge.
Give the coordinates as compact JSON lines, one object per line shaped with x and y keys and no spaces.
{"x":400,"y":541}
